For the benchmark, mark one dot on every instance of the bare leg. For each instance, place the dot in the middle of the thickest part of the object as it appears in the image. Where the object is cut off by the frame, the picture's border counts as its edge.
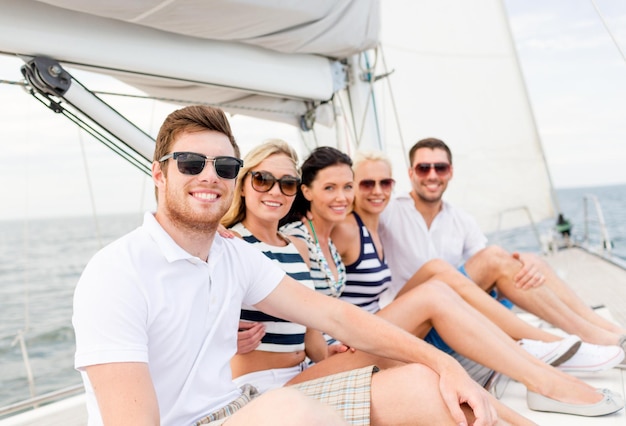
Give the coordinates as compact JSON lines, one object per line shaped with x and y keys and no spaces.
{"x":269,"y":409}
{"x":508,"y":416}
{"x":475,"y":337}
{"x":494,"y":265}
{"x":408,"y":395}
{"x":470,"y":334}
{"x":476,"y":297}
{"x":571,"y":299}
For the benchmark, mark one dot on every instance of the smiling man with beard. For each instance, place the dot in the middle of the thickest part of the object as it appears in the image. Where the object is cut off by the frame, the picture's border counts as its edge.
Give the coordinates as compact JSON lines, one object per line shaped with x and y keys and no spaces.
{"x":420,"y":226}
{"x":156,"y":316}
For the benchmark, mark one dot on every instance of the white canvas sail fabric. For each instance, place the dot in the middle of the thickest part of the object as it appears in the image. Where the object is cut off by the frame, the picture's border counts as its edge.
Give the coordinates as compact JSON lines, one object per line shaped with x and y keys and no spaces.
{"x":456,"y":75}
{"x":262,"y":58}
{"x":332,"y":28}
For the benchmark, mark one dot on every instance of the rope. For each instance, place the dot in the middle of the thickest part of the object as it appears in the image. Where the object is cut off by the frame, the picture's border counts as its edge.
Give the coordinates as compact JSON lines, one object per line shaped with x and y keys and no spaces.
{"x":370,"y":95}
{"x":179,"y":101}
{"x":90,"y":188}
{"x":609,"y":30}
{"x":394,"y":106}
{"x":14,"y":82}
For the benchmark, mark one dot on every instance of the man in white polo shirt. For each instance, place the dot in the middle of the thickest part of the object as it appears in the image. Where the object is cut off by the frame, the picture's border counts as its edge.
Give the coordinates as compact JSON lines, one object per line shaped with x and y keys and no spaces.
{"x":420,"y":226}
{"x":156,"y":315}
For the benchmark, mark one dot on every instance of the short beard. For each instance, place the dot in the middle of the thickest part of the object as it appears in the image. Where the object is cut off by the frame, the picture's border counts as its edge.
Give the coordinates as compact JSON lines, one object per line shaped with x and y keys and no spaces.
{"x":428,"y":200}
{"x":184,"y":219}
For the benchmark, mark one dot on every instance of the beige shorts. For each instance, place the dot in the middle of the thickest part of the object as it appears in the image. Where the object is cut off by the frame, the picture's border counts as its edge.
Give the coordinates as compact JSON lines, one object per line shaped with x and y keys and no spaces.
{"x":218,"y":417}
{"x":349,"y":393}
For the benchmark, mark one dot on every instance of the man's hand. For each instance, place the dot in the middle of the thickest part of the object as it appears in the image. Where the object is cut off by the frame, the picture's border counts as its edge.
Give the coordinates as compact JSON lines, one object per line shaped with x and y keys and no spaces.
{"x":530,"y":275}
{"x":458,"y":388}
{"x":249,"y":336}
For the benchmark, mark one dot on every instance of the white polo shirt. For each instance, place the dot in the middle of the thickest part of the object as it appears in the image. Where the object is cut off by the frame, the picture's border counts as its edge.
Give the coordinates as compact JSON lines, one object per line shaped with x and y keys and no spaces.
{"x":454,"y":236}
{"x":145,"y":299}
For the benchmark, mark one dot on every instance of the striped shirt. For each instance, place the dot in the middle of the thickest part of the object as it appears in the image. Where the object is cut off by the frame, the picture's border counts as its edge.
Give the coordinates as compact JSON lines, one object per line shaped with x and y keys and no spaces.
{"x":320,"y":278}
{"x":368,"y":277}
{"x":280,"y":335}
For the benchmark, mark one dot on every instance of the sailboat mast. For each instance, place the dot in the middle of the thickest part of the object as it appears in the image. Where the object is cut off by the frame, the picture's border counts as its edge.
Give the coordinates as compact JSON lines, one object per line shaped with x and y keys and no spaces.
{"x":531,"y":112}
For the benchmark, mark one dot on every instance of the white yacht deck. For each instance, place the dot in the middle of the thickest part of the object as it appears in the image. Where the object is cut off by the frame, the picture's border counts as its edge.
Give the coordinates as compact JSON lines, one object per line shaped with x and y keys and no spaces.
{"x":598,"y":282}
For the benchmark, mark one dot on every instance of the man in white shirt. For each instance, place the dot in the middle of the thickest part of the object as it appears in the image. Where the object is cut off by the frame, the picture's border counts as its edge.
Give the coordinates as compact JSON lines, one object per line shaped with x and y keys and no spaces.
{"x":156,"y":315}
{"x":420,"y":226}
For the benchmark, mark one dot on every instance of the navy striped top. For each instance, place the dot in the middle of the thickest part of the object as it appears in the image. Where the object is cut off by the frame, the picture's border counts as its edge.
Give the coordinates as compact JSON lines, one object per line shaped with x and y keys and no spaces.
{"x":368,"y":277}
{"x":280,"y":335}
{"x":320,"y":279}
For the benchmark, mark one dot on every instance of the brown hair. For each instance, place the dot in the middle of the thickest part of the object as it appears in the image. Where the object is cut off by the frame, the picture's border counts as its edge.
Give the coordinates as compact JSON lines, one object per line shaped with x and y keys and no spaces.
{"x":432,"y":143}
{"x":194,"y":118}
{"x":319,"y":159}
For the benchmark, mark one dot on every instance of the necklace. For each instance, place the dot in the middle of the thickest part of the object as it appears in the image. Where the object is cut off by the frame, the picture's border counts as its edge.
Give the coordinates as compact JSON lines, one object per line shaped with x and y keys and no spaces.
{"x":335,"y":286}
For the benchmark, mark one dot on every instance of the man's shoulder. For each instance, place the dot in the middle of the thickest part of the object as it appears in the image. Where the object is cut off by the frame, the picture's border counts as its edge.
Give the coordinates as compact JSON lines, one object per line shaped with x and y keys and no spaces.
{"x":401,"y":201}
{"x":120,"y":247}
{"x":455,"y":211}
{"x":399,"y":204}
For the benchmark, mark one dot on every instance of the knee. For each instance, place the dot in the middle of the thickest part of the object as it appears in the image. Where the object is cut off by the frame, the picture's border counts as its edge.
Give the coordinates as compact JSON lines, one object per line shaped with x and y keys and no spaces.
{"x":438,"y":290}
{"x":495,"y":252}
{"x":436,"y":266}
{"x":496,"y":257}
{"x":412,"y":374}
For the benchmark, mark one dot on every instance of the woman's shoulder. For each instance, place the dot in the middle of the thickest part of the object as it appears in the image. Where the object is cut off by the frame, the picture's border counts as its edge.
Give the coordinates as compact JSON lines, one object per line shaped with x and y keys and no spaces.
{"x":346,"y":230}
{"x":295,"y":229}
{"x":239,"y":229}
{"x":346,"y":237}
{"x":301,"y":247}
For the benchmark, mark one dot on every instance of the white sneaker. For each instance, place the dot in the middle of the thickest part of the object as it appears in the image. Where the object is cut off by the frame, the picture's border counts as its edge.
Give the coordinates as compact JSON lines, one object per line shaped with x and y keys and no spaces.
{"x":594,"y":358}
{"x":553,"y":353}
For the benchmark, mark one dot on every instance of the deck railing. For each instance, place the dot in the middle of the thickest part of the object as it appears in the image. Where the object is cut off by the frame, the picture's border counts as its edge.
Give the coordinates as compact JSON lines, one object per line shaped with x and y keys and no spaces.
{"x":606,"y":244}
{"x":41,"y":399}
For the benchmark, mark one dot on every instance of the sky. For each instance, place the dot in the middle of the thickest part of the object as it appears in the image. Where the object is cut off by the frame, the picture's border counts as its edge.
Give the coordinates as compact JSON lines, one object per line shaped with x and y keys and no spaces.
{"x":576,"y":78}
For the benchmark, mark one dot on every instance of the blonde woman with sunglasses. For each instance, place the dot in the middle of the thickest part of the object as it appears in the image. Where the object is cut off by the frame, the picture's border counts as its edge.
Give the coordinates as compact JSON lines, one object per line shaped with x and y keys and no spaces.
{"x":323,"y":204}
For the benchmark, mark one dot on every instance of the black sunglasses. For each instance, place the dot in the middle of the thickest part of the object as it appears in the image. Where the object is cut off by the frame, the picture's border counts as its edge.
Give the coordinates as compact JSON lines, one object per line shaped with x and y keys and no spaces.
{"x":370,"y":184}
{"x":423,"y":169}
{"x":265,"y":181}
{"x":191,"y":163}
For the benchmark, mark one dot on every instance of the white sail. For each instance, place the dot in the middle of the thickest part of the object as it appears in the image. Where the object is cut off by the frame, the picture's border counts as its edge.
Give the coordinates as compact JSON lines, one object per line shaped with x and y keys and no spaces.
{"x":456,"y":75}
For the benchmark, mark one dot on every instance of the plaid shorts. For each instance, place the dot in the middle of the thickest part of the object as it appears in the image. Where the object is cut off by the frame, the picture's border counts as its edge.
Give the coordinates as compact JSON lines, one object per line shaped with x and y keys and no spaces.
{"x":218,"y":417}
{"x":348,"y":392}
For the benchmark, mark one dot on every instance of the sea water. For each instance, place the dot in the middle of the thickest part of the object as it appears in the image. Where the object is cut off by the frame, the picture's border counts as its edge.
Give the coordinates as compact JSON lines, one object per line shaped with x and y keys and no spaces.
{"x":42,"y":261}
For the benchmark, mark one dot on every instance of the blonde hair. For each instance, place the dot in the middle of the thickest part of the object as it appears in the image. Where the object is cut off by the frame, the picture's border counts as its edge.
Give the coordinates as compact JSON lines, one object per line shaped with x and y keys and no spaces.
{"x":363,"y":156}
{"x":256,"y":156}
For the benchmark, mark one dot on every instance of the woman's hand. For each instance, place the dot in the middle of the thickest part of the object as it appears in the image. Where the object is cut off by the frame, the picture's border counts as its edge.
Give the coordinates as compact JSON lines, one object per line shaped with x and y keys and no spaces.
{"x":249,"y":336}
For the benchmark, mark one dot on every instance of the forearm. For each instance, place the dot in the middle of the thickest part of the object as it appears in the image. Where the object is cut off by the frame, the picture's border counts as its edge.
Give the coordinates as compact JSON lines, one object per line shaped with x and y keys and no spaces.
{"x":370,"y":333}
{"x":125,"y":393}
